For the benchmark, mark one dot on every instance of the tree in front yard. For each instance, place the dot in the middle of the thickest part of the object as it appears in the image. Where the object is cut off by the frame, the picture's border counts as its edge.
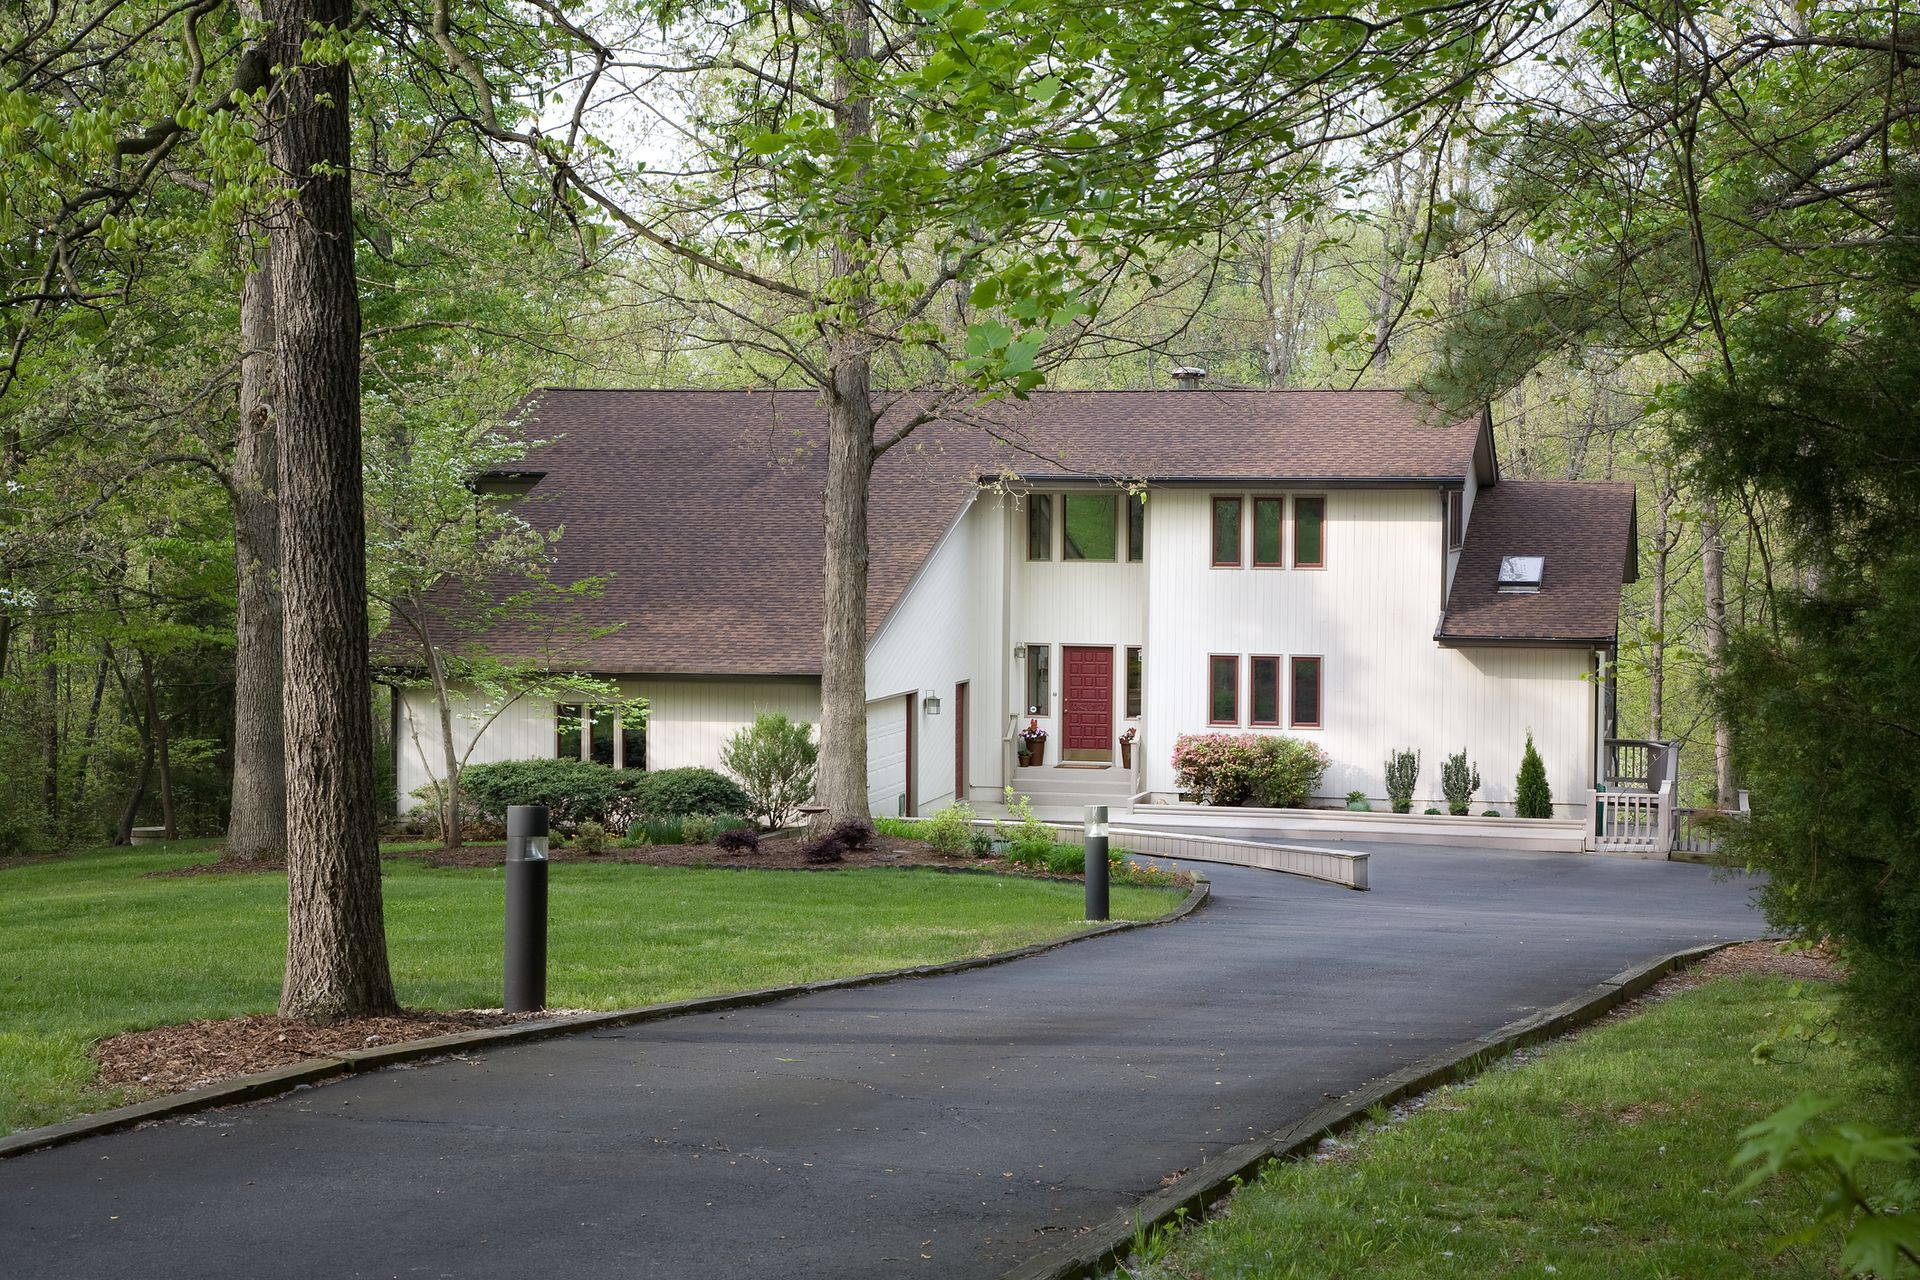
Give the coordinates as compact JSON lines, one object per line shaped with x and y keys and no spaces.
{"x":1532,"y":797}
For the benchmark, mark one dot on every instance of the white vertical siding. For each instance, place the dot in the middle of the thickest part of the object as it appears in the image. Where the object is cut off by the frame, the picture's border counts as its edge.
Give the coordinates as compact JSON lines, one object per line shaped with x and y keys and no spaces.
{"x":522,"y":731}
{"x":1370,"y":616}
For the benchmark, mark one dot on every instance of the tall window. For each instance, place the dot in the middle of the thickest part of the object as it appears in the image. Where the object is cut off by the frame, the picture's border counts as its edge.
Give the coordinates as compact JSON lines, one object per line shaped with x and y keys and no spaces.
{"x":1456,"y":521}
{"x":1136,"y":527}
{"x":1223,"y":690}
{"x":1306,"y":693}
{"x":1039,"y":681}
{"x":1135,"y":679}
{"x":633,"y":743}
{"x":1226,"y":532}
{"x":600,"y":745}
{"x":1266,"y":533}
{"x":1092,"y":527}
{"x":1265,"y":691}
{"x":566,"y":736}
{"x":1309,"y":533}
{"x":1039,"y":526}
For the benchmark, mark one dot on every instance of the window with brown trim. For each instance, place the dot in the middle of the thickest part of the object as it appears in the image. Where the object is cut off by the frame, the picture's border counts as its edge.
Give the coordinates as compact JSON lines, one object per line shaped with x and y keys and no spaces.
{"x":567,"y":717}
{"x":1136,"y":682}
{"x":633,"y":743}
{"x":1264,"y":695}
{"x":600,"y":740}
{"x":1136,"y":527}
{"x":1456,"y":522}
{"x":1088,"y":526}
{"x":1306,"y":693}
{"x":1226,"y":533}
{"x":1039,"y":680}
{"x":1039,"y":526}
{"x":1223,"y":689}
{"x":1309,"y":532}
{"x":1267,"y":522}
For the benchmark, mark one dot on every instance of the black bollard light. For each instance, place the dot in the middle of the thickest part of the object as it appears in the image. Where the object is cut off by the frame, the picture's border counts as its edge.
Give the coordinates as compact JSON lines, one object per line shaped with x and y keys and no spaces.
{"x":526,"y":908}
{"x":1095,"y":844}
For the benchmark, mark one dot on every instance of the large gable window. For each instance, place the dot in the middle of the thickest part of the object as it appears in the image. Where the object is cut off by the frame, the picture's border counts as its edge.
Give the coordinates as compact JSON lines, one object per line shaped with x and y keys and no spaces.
{"x":1226,"y":533}
{"x":1092,"y":526}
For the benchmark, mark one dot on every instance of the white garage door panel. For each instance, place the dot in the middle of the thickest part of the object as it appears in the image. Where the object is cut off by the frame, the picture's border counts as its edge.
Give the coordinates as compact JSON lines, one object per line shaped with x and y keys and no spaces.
{"x":886,"y":754}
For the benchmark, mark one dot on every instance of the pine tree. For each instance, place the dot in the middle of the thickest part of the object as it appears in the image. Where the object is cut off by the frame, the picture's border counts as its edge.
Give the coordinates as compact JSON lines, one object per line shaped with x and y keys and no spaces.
{"x":1532,"y":797}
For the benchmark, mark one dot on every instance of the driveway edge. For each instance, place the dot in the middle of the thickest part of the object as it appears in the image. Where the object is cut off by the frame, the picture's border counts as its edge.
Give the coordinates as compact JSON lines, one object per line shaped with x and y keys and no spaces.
{"x":299,"y":1075}
{"x":1110,"y":1241}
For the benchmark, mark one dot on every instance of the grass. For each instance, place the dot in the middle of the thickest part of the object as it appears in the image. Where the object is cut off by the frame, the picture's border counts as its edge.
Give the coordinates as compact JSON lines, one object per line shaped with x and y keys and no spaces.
{"x":1604,"y":1156}
{"x":89,"y":946}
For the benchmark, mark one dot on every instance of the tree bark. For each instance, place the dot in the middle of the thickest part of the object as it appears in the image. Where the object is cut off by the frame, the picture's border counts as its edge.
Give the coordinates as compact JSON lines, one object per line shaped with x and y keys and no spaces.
{"x":257,"y":824}
{"x":1713,"y":578}
{"x":336,"y":934}
{"x":157,"y":745}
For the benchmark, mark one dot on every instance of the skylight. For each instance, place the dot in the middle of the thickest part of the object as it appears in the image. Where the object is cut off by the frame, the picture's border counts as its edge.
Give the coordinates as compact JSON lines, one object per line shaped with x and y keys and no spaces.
{"x":1521,"y":573}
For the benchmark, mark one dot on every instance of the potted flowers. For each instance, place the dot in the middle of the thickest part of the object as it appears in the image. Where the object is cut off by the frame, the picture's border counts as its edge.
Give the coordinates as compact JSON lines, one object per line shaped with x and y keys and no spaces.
{"x":1126,"y":747}
{"x":1033,"y":745}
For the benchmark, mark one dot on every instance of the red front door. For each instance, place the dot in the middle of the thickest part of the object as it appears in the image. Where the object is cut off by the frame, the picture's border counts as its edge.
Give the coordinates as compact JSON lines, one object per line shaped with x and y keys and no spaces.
{"x":1087,"y":702}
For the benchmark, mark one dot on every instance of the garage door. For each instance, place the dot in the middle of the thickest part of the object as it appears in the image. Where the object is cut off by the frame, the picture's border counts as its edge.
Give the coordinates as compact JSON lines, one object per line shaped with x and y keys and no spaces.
{"x":887,"y":754}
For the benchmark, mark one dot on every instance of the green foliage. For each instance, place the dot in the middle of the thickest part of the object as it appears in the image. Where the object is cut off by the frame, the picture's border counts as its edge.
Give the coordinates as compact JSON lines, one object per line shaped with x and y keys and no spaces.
{"x":574,"y":791}
{"x":1882,"y":1234}
{"x":1532,"y":797}
{"x":1489,"y":813}
{"x":1357,"y":802}
{"x":1237,"y":768}
{"x":590,"y":837}
{"x":1459,"y":779}
{"x":1403,"y":772}
{"x":947,"y":831}
{"x":676,"y":792}
{"x":696,"y":828}
{"x":670,"y":830}
{"x":1433,"y":811}
{"x":774,"y":758}
{"x":1028,"y":838}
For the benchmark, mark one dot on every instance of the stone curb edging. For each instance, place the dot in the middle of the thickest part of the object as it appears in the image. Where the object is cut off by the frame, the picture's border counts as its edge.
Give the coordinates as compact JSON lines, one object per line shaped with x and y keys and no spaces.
{"x":1110,"y":1241}
{"x":266,"y":1084}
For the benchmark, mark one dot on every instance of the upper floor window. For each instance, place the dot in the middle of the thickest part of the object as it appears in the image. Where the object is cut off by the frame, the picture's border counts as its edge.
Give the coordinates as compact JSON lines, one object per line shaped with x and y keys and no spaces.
{"x":1091,"y":526}
{"x":1039,"y":526}
{"x":1266,"y":532}
{"x":1309,"y":532}
{"x":1136,"y":527}
{"x":1226,"y":533}
{"x":1456,"y":518}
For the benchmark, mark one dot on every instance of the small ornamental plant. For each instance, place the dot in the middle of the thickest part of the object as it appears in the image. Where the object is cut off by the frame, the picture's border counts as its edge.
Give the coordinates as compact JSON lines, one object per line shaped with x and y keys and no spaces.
{"x":1240,"y":768}
{"x":1532,"y":797}
{"x":1459,"y":779}
{"x":1403,"y":772}
{"x":739,"y":840}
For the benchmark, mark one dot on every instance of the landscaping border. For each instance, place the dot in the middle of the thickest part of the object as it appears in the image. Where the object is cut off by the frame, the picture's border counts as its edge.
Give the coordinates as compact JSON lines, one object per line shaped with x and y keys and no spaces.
{"x":266,"y":1084}
{"x":1103,"y":1247}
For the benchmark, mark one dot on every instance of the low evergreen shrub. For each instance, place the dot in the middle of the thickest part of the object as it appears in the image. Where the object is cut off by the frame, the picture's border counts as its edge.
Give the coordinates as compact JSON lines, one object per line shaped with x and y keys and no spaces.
{"x":696,"y":828}
{"x":1459,"y":779}
{"x":1403,"y":773}
{"x":574,"y":791}
{"x":1532,"y":796}
{"x":739,"y":840}
{"x":675,"y":792}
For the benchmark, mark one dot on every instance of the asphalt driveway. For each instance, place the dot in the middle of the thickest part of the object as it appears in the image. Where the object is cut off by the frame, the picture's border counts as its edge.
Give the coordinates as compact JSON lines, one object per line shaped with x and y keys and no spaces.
{"x":943,"y":1127}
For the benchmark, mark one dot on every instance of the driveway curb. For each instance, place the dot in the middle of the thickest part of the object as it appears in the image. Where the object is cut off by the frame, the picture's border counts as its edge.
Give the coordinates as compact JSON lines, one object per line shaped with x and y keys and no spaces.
{"x":299,"y":1075}
{"x":1107,"y":1243}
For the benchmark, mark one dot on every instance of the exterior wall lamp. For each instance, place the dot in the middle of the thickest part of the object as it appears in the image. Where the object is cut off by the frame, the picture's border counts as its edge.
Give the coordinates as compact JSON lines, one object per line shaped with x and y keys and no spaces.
{"x":931,"y":702}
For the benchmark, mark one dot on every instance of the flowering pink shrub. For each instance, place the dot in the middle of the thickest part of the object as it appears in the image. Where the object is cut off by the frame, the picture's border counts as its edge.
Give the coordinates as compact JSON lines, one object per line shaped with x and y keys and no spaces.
{"x":1240,"y":768}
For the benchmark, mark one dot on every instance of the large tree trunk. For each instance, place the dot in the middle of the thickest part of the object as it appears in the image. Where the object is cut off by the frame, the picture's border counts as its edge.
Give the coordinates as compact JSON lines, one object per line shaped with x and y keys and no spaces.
{"x":841,"y":779}
{"x":336,"y":933}
{"x":257,"y":825}
{"x":1713,"y":578}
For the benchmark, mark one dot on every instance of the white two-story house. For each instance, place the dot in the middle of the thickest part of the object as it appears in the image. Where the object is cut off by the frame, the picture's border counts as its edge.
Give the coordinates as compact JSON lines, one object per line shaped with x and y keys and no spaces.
{"x":1324,"y":564}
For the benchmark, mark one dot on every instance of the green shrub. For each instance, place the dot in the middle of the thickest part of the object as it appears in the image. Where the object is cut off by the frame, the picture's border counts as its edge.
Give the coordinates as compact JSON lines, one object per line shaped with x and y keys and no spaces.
{"x":574,"y":791}
{"x":1403,"y":773}
{"x":1532,"y":797}
{"x":1459,"y":779}
{"x":1433,"y":811}
{"x":774,"y":759}
{"x":1233,"y":768}
{"x":1358,"y":802}
{"x":591,"y":837}
{"x":696,"y":828}
{"x":980,"y":844}
{"x":659,"y":830}
{"x":1491,"y":813}
{"x":947,"y":831}
{"x":1067,"y":860}
{"x":676,"y":792}
{"x":1024,"y":833}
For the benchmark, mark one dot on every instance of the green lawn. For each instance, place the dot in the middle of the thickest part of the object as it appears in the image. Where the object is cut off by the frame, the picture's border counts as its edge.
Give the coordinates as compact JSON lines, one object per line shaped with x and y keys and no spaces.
{"x":1603,"y":1157}
{"x":89,"y":946}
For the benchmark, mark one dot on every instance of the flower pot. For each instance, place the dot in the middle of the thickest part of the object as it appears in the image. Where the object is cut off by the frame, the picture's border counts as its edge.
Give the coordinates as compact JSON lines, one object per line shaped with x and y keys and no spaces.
{"x":1028,"y":759}
{"x":1126,"y":754}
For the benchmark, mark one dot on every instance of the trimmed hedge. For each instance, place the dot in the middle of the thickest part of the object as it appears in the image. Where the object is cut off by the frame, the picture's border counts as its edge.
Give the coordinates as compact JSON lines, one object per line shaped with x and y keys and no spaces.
{"x":676,"y":792}
{"x":574,"y":791}
{"x":1268,"y":770}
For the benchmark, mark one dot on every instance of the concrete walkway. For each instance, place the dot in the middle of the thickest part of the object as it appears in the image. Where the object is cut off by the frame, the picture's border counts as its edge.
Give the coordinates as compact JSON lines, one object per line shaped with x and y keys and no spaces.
{"x":944,"y":1127}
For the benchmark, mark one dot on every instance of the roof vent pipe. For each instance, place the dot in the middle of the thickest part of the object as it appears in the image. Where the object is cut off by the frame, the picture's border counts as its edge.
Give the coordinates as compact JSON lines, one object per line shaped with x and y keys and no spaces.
{"x":1188,"y":377}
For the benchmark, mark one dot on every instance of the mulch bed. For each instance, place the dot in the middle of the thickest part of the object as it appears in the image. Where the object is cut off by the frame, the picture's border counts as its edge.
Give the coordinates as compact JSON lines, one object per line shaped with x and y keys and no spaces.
{"x":191,"y":1054}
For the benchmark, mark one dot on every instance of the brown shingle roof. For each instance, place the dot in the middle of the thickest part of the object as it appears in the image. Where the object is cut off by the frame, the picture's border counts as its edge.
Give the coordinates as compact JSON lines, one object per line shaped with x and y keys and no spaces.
{"x":1586,"y":533}
{"x":704,"y":506}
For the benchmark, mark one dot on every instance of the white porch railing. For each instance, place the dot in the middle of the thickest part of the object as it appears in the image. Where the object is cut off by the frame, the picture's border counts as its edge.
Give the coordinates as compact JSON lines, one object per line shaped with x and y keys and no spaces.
{"x":1633,"y":821}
